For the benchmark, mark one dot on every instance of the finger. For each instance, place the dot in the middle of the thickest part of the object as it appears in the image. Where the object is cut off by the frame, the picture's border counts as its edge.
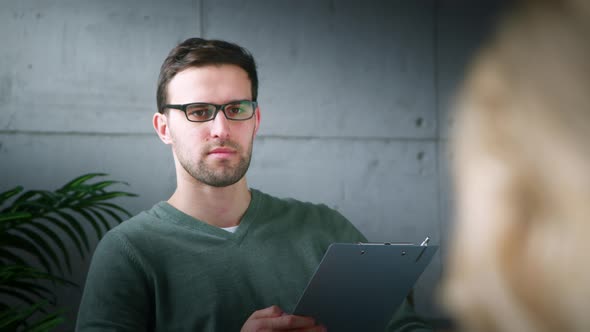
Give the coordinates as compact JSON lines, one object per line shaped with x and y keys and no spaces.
{"x":289,"y":322}
{"x":317,"y":328}
{"x":272,"y":311}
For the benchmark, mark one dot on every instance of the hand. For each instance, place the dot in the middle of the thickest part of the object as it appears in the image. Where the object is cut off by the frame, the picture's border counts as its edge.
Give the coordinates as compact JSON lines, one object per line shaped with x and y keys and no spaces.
{"x":274,"y":319}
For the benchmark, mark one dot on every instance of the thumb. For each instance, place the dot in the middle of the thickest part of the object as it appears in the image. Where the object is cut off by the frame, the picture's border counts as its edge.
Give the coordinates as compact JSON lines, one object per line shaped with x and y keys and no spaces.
{"x":272,"y":311}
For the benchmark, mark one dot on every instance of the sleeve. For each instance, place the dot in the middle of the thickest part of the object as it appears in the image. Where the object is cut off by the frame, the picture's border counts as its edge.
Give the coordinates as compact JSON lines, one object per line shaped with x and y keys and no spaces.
{"x":407,"y":320}
{"x":116,"y":294}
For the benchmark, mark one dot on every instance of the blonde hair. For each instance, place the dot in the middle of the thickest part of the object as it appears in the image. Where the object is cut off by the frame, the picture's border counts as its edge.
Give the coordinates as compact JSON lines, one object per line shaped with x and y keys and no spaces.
{"x":518,"y":259}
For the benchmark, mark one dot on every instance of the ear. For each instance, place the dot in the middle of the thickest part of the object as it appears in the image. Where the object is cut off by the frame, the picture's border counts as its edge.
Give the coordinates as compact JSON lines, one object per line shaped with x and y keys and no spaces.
{"x":160,"y":122}
{"x":257,"y":123}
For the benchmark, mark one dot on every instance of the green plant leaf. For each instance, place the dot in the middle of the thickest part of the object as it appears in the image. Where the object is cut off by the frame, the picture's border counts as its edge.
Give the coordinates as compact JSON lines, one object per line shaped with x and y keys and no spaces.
{"x":17,"y":295}
{"x":22,"y":273}
{"x":104,"y":184}
{"x":31,"y":288}
{"x":10,"y":193}
{"x":101,"y":218}
{"x":97,"y":187}
{"x":48,"y":232}
{"x":115,"y":207}
{"x":66,"y":229}
{"x":112,"y":214}
{"x":73,"y":197}
{"x":40,"y":242}
{"x":8,"y":256}
{"x":12,"y":318}
{"x":25,"y":199}
{"x":47,"y":323}
{"x":79,"y":180}
{"x":91,"y":219}
{"x":11,"y":216}
{"x":110,"y":195}
{"x":11,"y":275}
{"x":77,"y":227}
{"x":18,"y":242}
{"x":34,"y":222}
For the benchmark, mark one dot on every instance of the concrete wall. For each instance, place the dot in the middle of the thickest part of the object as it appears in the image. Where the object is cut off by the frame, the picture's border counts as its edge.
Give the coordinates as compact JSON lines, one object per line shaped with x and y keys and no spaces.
{"x":353,"y":95}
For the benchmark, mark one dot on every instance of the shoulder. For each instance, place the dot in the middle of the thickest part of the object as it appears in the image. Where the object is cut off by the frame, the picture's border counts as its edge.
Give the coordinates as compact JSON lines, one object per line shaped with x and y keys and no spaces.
{"x":291,"y":205}
{"x":308,"y":216}
{"x":283,"y":202}
{"x":143,"y":225}
{"x":131,"y":237}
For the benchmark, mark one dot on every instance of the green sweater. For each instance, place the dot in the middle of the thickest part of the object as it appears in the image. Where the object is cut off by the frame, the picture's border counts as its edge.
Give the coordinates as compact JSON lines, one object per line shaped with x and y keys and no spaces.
{"x":163,"y":270}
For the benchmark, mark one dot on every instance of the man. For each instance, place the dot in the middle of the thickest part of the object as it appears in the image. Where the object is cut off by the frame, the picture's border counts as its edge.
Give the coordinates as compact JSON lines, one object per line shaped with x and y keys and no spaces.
{"x":217,"y":256}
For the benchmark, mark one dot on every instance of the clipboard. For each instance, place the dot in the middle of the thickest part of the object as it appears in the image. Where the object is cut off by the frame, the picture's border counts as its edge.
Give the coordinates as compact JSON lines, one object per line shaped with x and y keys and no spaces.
{"x":358,"y":287}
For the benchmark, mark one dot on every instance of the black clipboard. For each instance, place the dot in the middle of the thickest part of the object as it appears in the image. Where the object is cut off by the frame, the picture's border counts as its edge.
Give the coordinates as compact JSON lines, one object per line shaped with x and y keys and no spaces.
{"x":358,"y":287}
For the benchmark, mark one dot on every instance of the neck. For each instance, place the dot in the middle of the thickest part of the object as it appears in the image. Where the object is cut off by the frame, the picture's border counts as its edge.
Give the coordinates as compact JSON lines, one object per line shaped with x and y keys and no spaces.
{"x":221,"y":207}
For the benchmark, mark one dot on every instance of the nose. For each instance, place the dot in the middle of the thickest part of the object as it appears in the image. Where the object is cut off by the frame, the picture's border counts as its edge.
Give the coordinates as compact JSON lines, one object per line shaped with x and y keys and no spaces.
{"x":220,"y":126}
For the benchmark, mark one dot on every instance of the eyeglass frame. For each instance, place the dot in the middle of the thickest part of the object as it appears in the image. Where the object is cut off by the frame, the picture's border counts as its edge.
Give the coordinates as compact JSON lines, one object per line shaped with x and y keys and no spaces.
{"x":183,"y":107}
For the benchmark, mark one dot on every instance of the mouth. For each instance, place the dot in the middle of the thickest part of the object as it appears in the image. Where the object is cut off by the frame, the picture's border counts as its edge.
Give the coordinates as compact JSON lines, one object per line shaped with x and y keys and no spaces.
{"x":221,"y":152}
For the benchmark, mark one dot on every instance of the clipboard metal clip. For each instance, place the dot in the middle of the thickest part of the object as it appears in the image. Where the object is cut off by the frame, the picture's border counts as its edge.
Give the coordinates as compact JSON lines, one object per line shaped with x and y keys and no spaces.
{"x":425,"y":242}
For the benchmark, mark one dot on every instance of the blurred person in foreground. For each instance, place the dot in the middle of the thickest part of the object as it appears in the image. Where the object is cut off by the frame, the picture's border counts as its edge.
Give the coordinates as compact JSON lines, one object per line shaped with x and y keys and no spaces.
{"x":521,"y":157}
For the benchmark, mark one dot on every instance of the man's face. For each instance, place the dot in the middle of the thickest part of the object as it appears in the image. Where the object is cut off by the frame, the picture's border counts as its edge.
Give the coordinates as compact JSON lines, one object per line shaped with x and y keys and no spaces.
{"x":217,"y":152}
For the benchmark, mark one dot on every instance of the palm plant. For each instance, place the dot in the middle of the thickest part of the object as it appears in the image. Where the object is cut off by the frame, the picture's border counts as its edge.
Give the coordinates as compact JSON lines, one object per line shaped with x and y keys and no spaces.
{"x":32,"y":225}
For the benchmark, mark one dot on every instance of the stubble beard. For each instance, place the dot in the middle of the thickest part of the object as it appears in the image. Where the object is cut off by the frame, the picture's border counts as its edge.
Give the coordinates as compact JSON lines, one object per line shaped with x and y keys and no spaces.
{"x":222,"y":174}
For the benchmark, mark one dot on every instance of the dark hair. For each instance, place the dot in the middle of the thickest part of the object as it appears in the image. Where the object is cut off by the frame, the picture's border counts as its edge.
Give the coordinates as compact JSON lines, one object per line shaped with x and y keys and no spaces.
{"x":198,"y":52}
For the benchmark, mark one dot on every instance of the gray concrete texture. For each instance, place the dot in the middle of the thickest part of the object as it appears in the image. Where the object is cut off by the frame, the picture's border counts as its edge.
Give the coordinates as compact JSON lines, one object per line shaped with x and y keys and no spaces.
{"x":354,"y":98}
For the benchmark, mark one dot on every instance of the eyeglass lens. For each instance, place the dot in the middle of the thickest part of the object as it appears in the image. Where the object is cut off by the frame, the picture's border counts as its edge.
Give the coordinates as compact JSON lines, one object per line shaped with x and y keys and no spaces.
{"x":234,"y":111}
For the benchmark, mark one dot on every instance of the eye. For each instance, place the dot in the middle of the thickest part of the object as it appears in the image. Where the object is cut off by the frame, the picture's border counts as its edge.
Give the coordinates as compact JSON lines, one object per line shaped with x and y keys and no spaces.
{"x":198,"y":112}
{"x":235,"y":109}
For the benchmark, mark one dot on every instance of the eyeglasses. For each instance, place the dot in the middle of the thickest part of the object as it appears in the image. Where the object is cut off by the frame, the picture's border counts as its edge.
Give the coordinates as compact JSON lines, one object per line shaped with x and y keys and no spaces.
{"x":238,"y":110}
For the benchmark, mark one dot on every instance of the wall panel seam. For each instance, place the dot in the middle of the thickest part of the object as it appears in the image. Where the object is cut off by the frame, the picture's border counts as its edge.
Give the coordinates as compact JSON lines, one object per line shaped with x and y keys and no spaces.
{"x":258,"y":137}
